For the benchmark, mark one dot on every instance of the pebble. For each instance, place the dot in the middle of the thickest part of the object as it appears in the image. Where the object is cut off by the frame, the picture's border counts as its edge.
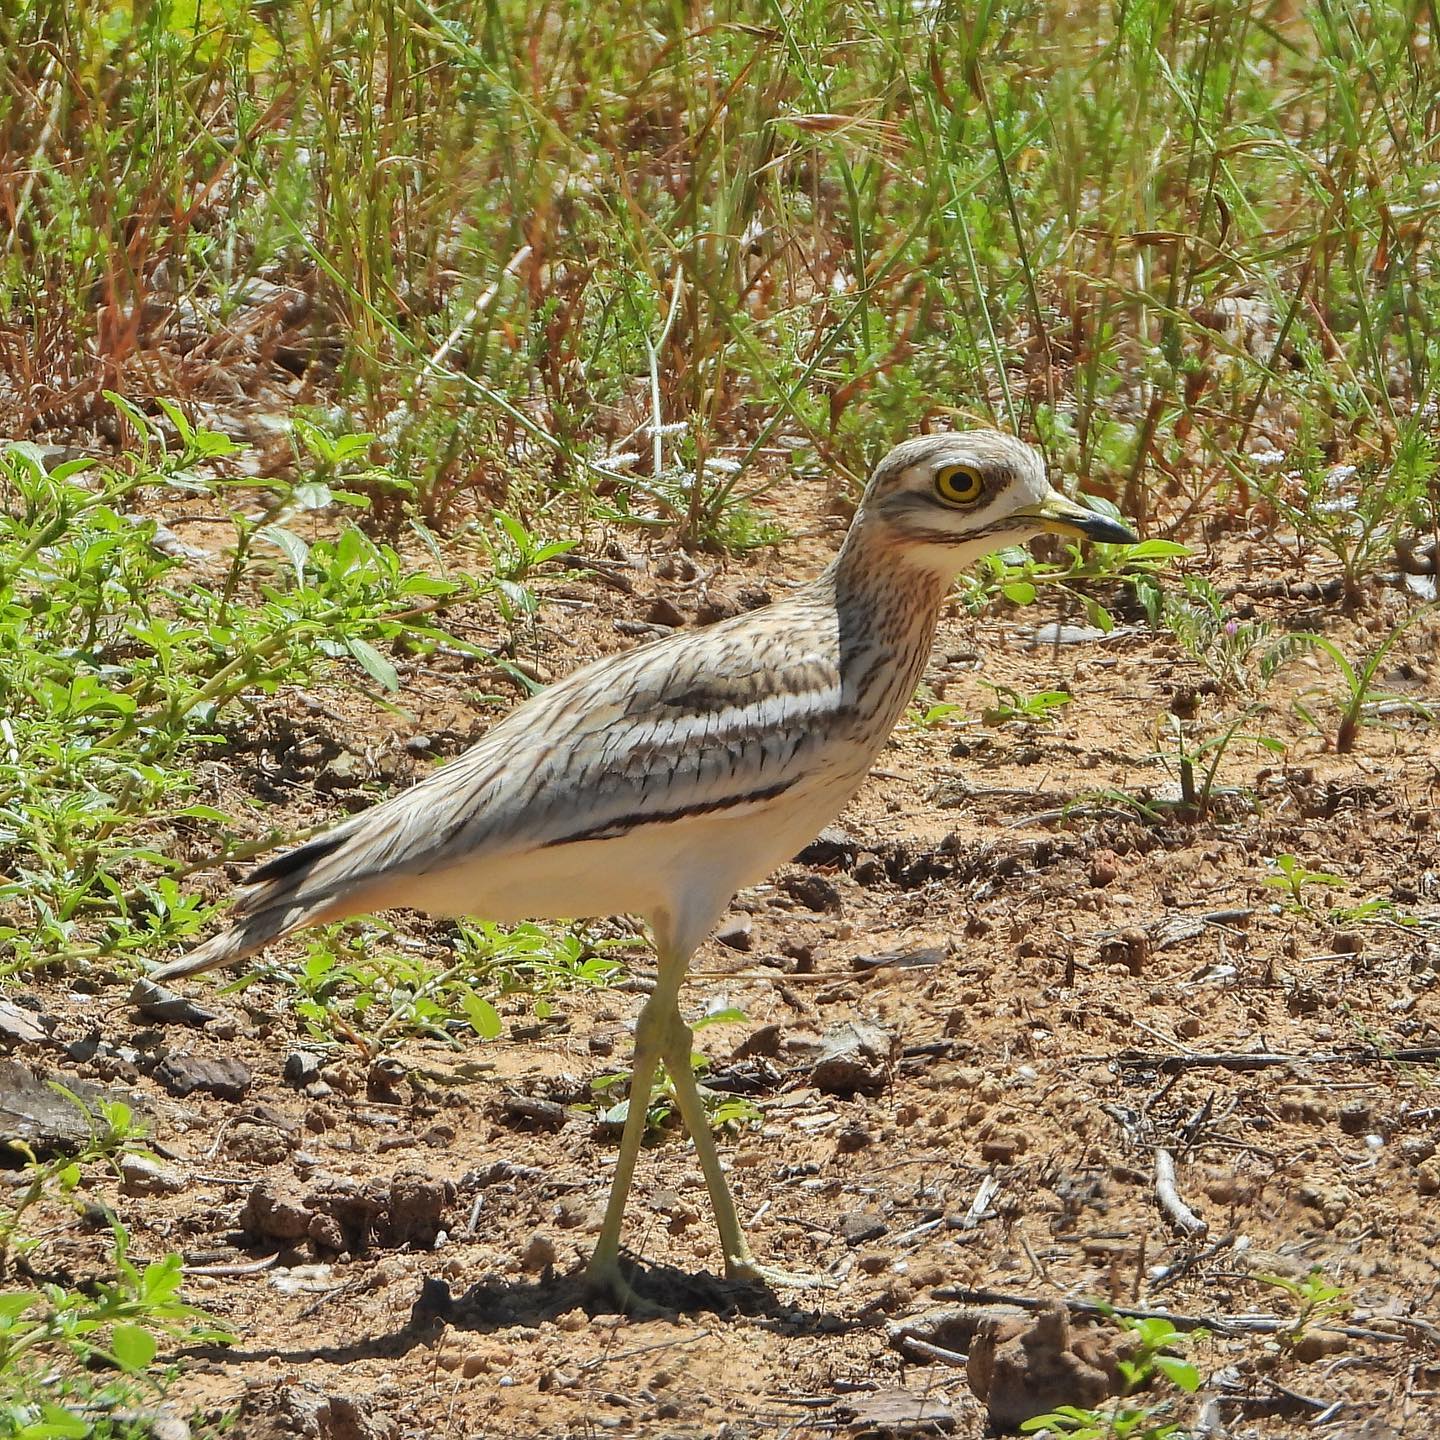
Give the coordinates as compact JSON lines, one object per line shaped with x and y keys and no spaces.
{"x":1004,"y":1147}
{"x":474,"y":1365}
{"x":539,"y":1253}
{"x":858,"y":1227}
{"x":737,"y":934}
{"x":142,"y":1176}
{"x":224,"y":1077}
{"x":301,"y":1067}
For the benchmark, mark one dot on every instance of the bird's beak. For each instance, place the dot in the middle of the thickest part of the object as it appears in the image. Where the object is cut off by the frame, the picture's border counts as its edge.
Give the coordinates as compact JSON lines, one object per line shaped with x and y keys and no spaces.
{"x":1065,"y":517}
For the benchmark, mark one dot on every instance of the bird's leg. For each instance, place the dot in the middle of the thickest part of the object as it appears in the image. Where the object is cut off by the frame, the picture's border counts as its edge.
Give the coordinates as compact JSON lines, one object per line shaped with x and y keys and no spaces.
{"x":740,"y":1264}
{"x":603,"y":1271}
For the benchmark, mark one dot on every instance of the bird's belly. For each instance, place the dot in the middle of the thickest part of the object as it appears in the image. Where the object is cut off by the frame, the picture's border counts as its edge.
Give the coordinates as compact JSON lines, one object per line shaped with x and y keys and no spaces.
{"x":697,"y":861}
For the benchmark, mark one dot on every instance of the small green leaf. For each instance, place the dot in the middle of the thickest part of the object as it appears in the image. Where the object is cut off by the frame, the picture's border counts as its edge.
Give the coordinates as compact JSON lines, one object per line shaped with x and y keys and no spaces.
{"x":311,"y":495}
{"x":132,"y":1346}
{"x":1180,"y":1372}
{"x":373,"y":662}
{"x":1019,"y":592}
{"x":483,"y":1017}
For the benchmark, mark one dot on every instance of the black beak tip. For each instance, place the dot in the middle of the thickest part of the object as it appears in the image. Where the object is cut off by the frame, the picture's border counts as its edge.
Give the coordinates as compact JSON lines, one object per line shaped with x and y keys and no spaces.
{"x":1108,"y":531}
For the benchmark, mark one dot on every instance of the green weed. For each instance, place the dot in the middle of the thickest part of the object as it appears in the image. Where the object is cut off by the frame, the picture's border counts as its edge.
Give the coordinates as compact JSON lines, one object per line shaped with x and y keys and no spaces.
{"x":57,"y":1342}
{"x":1151,"y":1356}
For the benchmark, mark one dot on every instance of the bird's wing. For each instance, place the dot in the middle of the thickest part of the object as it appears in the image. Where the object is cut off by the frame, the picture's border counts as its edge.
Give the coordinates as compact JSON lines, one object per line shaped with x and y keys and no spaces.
{"x":695,"y":723}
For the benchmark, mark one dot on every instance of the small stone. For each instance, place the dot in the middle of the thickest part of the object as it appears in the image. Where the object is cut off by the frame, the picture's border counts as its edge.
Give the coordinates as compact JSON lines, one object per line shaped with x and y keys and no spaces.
{"x":1347,"y":942}
{"x":20,"y":1027}
{"x":1004,"y":1147}
{"x":539,"y":1253}
{"x":853,"y":1137}
{"x":224,"y":1077}
{"x":1189,"y":1027}
{"x":1317,"y":1344}
{"x":664,"y":612}
{"x":140,"y":1175}
{"x":737,"y":934}
{"x":570,"y":1321}
{"x":858,"y":1227}
{"x":474,"y":1365}
{"x":301,"y":1067}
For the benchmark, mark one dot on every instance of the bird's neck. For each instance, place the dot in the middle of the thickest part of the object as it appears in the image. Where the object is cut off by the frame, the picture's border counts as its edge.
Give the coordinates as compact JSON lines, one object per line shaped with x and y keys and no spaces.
{"x":904,"y":583}
{"x":886,"y":611}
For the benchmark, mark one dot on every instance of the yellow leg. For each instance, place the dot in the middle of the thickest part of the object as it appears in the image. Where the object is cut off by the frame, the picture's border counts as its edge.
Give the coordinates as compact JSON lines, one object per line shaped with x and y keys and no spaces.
{"x":660,"y":1033}
{"x":740,"y":1264}
{"x":603,"y":1271}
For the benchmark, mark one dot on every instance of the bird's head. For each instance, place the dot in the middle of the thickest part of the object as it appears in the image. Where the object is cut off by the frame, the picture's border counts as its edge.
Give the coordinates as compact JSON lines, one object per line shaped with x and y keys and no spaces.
{"x":943,"y":501}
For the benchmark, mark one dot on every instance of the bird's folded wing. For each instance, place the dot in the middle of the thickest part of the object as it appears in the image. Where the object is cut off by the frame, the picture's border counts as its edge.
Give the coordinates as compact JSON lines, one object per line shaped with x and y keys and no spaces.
{"x":696,"y":723}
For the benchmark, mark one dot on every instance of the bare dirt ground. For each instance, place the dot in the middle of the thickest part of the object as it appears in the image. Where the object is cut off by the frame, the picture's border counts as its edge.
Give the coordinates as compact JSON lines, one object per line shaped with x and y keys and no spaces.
{"x":1062,"y":998}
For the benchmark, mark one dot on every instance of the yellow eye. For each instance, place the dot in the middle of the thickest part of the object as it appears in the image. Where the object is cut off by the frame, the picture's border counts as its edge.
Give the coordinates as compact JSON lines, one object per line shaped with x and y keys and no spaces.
{"x":959,"y":485}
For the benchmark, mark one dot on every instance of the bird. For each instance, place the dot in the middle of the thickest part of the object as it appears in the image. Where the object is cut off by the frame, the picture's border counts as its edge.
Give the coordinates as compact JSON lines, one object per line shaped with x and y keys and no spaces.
{"x":659,"y":781}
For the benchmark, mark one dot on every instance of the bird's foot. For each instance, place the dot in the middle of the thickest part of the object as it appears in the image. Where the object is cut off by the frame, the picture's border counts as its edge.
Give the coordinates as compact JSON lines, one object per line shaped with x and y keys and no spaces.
{"x":604,"y":1279}
{"x":746,"y":1270}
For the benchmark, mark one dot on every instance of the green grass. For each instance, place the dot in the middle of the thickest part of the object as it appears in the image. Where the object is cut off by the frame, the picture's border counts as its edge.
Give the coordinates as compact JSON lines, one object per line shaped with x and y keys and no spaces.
{"x":1166,"y":237}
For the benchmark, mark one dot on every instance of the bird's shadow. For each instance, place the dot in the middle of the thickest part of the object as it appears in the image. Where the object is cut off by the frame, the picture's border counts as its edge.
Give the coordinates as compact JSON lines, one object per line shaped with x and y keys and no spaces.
{"x":500,"y":1304}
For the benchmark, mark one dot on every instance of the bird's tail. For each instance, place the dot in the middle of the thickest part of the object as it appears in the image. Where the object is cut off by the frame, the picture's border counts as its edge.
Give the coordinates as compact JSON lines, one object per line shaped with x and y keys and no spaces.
{"x":305,"y":886}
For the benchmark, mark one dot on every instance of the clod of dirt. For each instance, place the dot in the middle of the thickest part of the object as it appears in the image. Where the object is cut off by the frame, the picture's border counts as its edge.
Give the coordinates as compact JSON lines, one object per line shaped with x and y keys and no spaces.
{"x":341,"y":1215}
{"x":1023,"y":1367}
{"x":813,"y":891}
{"x":304,"y":1412}
{"x":225,"y":1077}
{"x":853,"y":1058}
